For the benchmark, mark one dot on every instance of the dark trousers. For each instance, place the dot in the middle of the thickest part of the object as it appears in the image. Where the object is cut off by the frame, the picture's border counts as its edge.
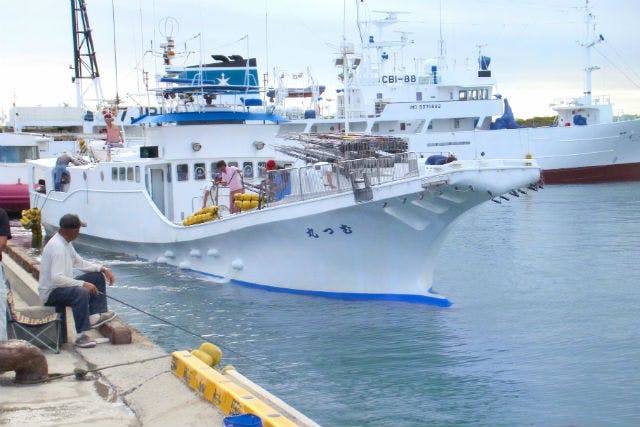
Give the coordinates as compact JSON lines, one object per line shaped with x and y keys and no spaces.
{"x":82,"y":303}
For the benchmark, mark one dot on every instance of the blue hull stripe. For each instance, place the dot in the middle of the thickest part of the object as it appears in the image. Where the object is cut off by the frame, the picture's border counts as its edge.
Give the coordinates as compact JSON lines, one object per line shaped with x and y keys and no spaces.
{"x":210,"y":116}
{"x":416,"y":299}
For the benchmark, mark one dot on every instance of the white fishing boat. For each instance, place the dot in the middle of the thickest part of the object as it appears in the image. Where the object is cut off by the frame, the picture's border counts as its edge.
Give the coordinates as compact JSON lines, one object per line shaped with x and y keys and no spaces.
{"x":15,"y":149}
{"x":440,"y":112}
{"x":343,"y":240}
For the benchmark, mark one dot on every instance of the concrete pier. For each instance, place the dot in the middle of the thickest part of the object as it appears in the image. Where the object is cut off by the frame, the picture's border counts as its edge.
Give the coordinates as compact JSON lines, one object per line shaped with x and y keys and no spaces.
{"x":119,"y":389}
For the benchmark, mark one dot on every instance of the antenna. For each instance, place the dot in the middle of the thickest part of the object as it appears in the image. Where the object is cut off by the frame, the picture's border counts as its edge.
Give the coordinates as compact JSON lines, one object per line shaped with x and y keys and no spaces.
{"x":590,"y":41}
{"x":84,"y":55}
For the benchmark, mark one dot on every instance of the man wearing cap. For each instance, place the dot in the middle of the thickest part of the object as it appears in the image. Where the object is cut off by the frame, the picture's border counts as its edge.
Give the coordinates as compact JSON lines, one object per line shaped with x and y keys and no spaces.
{"x":86,"y":294}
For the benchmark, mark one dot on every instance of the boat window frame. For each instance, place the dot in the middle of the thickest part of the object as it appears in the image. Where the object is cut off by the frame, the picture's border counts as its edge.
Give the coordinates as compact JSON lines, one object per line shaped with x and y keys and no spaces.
{"x":182,"y":172}
{"x":248,"y":169}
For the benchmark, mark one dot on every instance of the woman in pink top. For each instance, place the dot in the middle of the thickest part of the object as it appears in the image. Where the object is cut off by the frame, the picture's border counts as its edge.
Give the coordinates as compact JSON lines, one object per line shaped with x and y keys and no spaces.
{"x":230,"y":176}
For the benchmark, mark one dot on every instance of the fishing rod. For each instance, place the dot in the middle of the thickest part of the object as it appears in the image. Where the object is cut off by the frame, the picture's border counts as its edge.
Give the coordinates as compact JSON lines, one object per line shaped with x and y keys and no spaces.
{"x":183,"y":329}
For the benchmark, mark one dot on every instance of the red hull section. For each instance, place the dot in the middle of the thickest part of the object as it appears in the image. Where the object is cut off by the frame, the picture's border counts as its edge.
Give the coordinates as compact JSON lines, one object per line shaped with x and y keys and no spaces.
{"x":14,"y":197}
{"x":593,"y":174}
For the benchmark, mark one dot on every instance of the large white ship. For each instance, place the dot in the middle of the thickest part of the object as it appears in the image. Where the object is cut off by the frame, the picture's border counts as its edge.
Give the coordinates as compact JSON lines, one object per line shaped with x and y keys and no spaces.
{"x":440,"y":112}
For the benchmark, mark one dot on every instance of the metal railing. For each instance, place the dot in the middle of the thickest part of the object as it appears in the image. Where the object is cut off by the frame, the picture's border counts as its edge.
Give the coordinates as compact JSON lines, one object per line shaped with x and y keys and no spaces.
{"x":324,"y":178}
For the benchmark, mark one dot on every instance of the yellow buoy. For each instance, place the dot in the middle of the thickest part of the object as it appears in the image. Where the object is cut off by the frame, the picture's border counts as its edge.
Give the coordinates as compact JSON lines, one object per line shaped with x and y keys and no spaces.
{"x":212,"y":351}
{"x":205,"y":357}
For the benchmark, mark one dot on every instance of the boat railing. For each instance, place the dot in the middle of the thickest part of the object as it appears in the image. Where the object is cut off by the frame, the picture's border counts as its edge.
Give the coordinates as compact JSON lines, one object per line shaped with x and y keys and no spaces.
{"x":580,"y":102}
{"x":325,"y":178}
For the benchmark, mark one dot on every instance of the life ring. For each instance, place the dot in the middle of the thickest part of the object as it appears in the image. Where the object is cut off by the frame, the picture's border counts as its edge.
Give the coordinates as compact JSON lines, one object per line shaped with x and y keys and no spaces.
{"x":200,"y":174}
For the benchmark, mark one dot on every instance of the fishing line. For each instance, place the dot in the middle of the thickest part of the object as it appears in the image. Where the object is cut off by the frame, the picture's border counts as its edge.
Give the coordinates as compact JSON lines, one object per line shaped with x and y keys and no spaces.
{"x":187,"y":331}
{"x":183,"y":329}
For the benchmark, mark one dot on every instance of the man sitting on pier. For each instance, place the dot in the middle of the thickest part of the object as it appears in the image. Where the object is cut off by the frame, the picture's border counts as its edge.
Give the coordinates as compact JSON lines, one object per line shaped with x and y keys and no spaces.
{"x":85,"y":294}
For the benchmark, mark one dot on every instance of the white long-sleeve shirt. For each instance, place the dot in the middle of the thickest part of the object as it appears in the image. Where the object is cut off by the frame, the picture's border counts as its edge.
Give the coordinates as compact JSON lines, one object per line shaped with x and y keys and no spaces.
{"x":58,"y":260}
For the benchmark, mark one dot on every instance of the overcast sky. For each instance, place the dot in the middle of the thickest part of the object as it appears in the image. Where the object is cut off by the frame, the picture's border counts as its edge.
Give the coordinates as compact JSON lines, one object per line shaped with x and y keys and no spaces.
{"x":534,"y":45}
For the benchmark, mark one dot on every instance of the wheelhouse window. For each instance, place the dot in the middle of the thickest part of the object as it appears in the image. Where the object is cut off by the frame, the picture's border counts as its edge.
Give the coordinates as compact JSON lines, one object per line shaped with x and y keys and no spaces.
{"x":182,"y":172}
{"x":114,"y":174}
{"x":418,"y":96}
{"x":18,"y":154}
{"x":122,"y":173}
{"x":262,"y":169}
{"x":462,"y":95}
{"x":130,"y":173}
{"x":137,"y":173}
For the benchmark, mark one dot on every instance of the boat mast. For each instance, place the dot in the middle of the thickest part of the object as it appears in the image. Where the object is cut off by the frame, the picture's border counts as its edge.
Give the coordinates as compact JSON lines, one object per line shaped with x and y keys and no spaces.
{"x":345,"y":50}
{"x":590,"y":41}
{"x":84,"y":55}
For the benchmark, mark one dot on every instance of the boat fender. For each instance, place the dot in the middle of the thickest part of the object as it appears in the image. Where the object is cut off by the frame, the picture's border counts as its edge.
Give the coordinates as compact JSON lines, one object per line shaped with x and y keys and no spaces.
{"x":212,"y":351}
{"x":168,"y":254}
{"x":203,"y":356}
{"x":185,"y":265}
{"x":237,"y":264}
{"x":213,"y":252}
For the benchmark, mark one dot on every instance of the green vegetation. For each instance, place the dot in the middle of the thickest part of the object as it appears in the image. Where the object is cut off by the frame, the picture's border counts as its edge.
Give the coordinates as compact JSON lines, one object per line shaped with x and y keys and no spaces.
{"x":537,"y":121}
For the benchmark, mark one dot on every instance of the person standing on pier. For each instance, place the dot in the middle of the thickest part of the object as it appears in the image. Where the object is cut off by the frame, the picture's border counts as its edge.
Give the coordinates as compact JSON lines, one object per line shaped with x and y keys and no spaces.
{"x":85,"y":294}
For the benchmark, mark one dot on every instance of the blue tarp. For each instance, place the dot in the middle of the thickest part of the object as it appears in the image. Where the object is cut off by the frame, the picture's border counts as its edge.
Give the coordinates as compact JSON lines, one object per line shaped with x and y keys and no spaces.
{"x":507,"y":121}
{"x":483,"y":62}
{"x":436,"y":159}
{"x":579,"y":120}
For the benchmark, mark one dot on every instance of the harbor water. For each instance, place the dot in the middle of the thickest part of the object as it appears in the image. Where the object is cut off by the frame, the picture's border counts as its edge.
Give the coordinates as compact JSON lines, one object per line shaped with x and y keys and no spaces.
{"x":544,"y":330}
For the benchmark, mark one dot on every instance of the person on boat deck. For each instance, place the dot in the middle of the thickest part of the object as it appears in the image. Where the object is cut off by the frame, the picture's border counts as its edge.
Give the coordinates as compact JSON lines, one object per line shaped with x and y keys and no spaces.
{"x":230,"y":176}
{"x":327,"y":169}
{"x":279,"y":186}
{"x":42,"y":186}
{"x":207,"y":188}
{"x":85,"y":294}
{"x":114,"y":134}
{"x":60,"y":173}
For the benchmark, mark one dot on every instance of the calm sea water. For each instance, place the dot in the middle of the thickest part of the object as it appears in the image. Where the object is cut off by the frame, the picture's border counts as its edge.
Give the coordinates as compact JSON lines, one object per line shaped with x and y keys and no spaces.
{"x":544,"y":330}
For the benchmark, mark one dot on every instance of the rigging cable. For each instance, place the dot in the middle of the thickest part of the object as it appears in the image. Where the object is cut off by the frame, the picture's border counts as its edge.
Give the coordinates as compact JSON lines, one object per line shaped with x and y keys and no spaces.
{"x":115,"y":50}
{"x":618,"y":68}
